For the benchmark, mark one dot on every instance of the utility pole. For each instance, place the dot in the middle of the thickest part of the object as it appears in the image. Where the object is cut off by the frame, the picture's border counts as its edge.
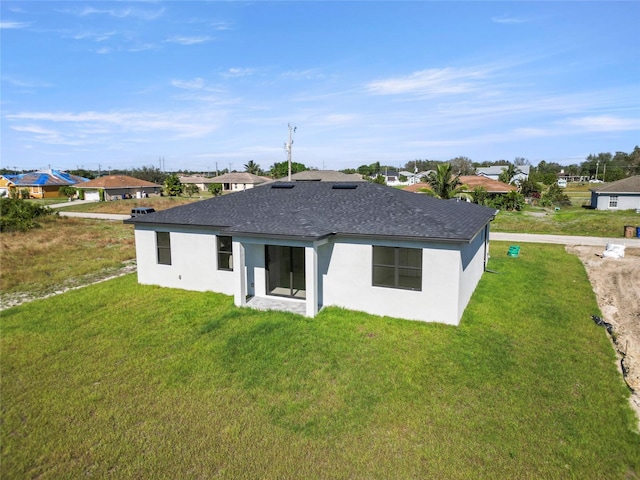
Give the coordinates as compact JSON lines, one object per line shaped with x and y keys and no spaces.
{"x":287,"y":147}
{"x":99,"y":173}
{"x":597,"y":165}
{"x":604,"y":172}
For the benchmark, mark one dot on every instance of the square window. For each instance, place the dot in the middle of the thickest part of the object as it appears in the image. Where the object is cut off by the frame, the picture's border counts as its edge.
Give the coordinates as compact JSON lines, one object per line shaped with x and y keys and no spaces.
{"x":397,"y":267}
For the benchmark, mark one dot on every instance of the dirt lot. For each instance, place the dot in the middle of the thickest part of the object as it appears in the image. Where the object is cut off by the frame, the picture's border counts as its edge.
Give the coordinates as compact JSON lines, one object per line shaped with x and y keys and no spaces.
{"x":616,"y":283}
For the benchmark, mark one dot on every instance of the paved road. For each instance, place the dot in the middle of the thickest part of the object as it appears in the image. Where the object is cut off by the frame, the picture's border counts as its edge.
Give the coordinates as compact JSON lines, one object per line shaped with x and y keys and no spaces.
{"x":99,"y":216}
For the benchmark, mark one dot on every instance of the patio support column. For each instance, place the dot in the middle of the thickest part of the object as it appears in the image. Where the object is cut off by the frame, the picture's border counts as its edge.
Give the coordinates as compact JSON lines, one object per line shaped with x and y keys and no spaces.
{"x":240,"y":286}
{"x":311,"y":279}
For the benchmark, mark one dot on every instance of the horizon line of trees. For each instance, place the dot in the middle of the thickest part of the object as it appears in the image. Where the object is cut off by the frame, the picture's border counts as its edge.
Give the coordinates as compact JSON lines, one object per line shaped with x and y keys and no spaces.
{"x":604,"y":166}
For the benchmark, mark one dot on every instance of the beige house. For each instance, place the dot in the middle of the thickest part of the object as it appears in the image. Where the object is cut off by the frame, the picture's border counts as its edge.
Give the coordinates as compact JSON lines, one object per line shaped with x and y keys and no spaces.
{"x":239,"y":181}
{"x":118,"y":187}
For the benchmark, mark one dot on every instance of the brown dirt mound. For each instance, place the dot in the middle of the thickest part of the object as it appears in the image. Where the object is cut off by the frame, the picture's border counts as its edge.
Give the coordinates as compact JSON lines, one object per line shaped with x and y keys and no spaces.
{"x":616,"y":283}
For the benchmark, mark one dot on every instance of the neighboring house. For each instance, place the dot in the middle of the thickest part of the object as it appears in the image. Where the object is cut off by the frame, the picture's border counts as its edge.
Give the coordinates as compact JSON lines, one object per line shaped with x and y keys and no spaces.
{"x":6,"y":184}
{"x":621,"y":195}
{"x":325,"y":176}
{"x":199,"y":181}
{"x":403,"y":178}
{"x":360,"y":246}
{"x":239,"y":181}
{"x":41,"y":183}
{"x":118,"y":187}
{"x":391,"y":178}
{"x":414,"y":178}
{"x":571,"y":178}
{"x":493,"y":187}
{"x":494,"y":172}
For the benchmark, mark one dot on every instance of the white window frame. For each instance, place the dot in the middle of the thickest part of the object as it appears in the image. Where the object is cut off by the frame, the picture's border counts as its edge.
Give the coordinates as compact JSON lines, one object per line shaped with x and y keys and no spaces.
{"x":613,"y":201}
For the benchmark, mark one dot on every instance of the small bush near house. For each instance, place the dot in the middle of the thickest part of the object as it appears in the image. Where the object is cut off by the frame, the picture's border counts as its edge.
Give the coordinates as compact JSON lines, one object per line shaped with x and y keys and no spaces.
{"x":20,"y":215}
{"x":215,"y":189}
{"x":554,"y":196}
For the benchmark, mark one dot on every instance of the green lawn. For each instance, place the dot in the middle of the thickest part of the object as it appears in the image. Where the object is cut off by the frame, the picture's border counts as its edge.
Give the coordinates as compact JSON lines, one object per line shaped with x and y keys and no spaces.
{"x":122,"y":380}
{"x":566,"y":221}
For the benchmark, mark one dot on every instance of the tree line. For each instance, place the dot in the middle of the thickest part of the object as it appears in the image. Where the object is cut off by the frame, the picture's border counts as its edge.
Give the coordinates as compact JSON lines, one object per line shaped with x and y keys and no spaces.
{"x":604,"y":166}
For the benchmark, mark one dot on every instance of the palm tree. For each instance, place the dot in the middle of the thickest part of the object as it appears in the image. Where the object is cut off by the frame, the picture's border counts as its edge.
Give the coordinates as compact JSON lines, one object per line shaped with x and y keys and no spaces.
{"x":252,"y":167}
{"x":445,"y":185}
{"x":509,"y":173}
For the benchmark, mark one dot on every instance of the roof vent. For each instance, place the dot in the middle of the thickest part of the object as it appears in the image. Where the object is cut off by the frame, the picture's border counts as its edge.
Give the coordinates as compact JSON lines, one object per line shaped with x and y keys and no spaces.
{"x":344,"y":186}
{"x":282,"y":185}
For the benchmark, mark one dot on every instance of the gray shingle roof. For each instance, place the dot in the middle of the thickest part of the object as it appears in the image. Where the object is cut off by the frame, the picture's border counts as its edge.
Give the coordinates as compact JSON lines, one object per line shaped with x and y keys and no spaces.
{"x":626,"y":185}
{"x":326,"y":176}
{"x":314,"y":210}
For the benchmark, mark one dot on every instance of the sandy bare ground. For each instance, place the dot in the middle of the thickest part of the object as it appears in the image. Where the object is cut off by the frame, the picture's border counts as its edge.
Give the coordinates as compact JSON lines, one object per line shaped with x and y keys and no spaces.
{"x":616,"y":283}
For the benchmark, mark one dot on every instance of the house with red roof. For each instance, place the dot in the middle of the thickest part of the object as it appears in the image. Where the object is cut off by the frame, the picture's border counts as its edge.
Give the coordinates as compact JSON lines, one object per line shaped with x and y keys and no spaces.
{"x":118,"y":187}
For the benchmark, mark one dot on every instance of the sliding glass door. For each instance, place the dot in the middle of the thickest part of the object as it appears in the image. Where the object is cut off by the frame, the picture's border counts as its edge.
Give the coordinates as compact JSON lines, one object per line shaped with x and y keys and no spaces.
{"x":285,"y":271}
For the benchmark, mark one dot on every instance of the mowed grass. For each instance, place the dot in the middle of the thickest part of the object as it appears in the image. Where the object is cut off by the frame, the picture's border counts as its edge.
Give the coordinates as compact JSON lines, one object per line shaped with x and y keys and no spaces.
{"x":128,"y":381}
{"x":64,"y":252}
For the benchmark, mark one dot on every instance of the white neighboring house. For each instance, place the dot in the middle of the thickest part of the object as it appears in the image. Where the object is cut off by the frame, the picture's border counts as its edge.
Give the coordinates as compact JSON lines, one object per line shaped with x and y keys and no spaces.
{"x":360,"y":246}
{"x":198,"y":180}
{"x":494,"y":172}
{"x":621,"y":195}
{"x":239,"y":181}
{"x":403,"y":178}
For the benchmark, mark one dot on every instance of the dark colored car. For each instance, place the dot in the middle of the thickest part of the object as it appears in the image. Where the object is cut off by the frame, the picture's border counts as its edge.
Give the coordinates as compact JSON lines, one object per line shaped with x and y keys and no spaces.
{"x":141,"y":211}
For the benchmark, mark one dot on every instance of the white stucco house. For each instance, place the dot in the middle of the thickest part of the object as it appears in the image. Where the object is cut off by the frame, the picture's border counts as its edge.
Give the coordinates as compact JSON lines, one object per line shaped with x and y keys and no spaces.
{"x":621,"y":195}
{"x":360,"y":246}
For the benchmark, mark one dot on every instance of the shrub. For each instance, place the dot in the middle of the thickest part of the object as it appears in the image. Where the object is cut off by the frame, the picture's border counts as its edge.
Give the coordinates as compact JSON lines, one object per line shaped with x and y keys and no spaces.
{"x":511,"y":201}
{"x":554,"y":196}
{"x":215,"y":189}
{"x":19,"y":215}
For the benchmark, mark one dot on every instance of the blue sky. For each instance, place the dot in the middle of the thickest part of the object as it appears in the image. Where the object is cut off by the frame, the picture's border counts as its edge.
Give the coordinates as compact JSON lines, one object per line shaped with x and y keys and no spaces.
{"x":121,"y":84}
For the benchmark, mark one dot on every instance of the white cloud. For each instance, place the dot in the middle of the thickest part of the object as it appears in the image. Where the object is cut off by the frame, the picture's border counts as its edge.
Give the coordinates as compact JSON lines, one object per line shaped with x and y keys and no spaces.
{"x":605,"y":123}
{"x":221,"y":26}
{"x":508,"y":19}
{"x":13,"y":25}
{"x":308,"y":74}
{"x":238,"y":72}
{"x":181,"y":124}
{"x":434,"y":81}
{"x":95,"y":36}
{"x":123,"y":12}
{"x":24,"y":83}
{"x":182,"y":40}
{"x":103,"y":51}
{"x":195,"y":84}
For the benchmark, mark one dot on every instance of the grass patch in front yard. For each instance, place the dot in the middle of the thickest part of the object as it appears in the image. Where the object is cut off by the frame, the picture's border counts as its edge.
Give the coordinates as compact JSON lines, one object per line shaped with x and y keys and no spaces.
{"x":125,"y":380}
